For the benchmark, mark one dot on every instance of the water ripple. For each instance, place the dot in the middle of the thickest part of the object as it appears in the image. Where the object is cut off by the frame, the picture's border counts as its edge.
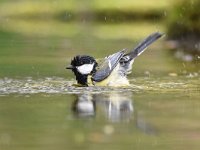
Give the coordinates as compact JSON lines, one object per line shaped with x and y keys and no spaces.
{"x":63,"y":86}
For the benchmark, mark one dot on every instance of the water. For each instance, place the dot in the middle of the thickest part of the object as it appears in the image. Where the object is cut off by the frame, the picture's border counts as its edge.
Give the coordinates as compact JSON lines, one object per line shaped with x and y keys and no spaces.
{"x":41,"y":109}
{"x":58,"y":85}
{"x":50,"y":113}
{"x":160,"y":110}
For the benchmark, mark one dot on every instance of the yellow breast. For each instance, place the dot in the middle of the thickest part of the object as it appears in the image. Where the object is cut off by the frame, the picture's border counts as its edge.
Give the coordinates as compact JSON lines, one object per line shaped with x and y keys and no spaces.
{"x":114,"y":79}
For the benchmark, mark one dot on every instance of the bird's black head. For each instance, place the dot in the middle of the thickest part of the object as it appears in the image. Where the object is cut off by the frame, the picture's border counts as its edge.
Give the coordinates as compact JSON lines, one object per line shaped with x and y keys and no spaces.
{"x":82,"y":66}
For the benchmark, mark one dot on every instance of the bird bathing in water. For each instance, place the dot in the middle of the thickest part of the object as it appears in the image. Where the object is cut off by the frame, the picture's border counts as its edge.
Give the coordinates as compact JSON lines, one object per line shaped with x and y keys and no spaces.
{"x":113,"y":70}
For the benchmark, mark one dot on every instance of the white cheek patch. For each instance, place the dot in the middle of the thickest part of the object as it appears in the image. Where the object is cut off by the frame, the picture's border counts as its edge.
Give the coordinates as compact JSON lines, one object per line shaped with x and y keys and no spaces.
{"x":85,"y":69}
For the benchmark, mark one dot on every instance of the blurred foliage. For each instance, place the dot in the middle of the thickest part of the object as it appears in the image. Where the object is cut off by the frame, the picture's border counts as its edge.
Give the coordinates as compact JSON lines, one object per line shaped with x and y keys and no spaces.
{"x":72,"y":9}
{"x":69,"y":18}
{"x":37,"y":36}
{"x":184,"y":21}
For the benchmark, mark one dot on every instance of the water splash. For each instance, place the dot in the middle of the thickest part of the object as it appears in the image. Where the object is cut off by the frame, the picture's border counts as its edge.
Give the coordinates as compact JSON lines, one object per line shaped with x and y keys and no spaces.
{"x":47,"y":85}
{"x":51,"y":85}
{"x":31,"y":86}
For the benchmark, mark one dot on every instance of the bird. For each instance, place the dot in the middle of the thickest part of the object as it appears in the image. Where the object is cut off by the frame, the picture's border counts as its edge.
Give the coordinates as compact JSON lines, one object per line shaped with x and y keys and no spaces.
{"x":112,"y":70}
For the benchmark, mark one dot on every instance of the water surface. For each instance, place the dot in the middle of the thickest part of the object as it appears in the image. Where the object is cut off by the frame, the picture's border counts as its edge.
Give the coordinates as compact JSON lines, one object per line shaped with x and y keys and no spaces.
{"x":50,"y":113}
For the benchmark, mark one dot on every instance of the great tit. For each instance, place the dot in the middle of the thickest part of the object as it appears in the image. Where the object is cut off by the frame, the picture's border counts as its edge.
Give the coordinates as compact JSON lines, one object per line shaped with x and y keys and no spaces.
{"x":112,"y":70}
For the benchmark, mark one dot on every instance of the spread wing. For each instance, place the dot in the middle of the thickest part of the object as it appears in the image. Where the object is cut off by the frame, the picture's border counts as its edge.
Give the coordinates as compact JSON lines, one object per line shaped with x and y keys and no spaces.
{"x":107,"y":66}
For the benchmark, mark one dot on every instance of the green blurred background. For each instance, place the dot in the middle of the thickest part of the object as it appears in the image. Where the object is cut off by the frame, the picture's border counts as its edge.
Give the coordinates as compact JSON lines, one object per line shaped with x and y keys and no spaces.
{"x":38,"y":38}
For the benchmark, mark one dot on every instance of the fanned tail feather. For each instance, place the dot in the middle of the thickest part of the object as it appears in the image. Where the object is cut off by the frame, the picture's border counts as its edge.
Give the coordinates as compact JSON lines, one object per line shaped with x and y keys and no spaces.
{"x":143,"y":45}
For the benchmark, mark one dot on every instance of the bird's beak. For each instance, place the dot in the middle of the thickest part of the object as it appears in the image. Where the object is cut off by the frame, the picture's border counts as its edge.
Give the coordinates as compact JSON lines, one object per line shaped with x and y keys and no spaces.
{"x":70,"y":67}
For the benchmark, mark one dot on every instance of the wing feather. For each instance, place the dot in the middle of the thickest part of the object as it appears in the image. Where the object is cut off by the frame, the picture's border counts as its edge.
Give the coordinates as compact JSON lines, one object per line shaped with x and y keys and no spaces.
{"x":107,"y":66}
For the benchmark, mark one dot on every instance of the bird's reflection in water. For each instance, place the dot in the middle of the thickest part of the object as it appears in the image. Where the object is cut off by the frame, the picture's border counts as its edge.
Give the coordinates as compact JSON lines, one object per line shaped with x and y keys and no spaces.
{"x":116,"y":106}
{"x":84,"y":106}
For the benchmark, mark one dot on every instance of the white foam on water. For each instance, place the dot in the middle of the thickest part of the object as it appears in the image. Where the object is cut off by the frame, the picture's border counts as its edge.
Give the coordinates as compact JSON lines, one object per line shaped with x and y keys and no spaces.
{"x":51,"y":85}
